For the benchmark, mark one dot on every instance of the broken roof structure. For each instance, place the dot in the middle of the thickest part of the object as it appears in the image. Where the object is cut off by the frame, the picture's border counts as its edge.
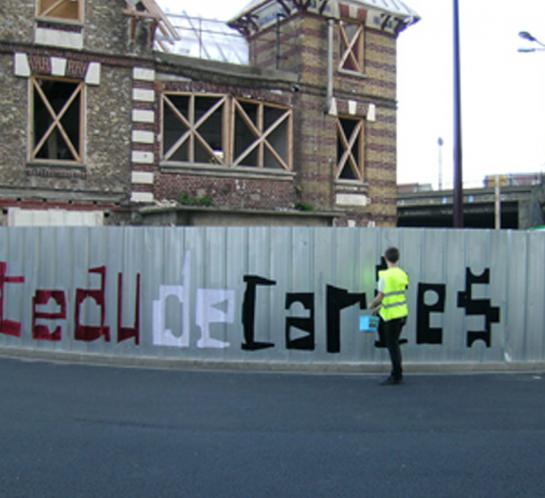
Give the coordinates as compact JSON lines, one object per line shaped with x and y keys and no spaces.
{"x":208,"y":39}
{"x":148,"y":11}
{"x":391,"y":15}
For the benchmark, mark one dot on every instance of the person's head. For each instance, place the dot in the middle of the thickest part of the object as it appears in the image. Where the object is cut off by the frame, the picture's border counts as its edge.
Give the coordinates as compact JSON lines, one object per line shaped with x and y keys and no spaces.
{"x":392,"y":255}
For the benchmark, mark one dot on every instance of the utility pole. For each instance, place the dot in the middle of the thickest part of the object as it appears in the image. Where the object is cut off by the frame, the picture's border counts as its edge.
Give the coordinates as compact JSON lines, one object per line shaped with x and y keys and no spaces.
{"x":440,"y":163}
{"x":458,"y":205}
{"x":497,"y":203}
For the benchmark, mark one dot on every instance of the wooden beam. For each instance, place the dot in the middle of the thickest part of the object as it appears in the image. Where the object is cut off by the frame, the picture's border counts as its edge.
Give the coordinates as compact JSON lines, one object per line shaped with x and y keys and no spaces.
{"x":323,"y":5}
{"x":57,"y":120}
{"x":287,"y":10}
{"x":262,"y":136}
{"x":260,"y":124}
{"x":183,"y":138}
{"x":51,"y":8}
{"x":349,"y":52}
{"x":348,"y":154}
{"x":290,"y":140}
{"x":166,"y":26}
{"x":247,"y":119}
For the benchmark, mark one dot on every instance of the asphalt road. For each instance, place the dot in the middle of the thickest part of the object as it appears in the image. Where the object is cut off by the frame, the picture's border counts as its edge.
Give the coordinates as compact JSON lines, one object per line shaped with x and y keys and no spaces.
{"x":80,"y":431}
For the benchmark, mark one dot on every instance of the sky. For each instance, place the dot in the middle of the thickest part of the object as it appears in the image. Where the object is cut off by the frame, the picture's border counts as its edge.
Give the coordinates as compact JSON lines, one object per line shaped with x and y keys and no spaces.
{"x":503,"y":90}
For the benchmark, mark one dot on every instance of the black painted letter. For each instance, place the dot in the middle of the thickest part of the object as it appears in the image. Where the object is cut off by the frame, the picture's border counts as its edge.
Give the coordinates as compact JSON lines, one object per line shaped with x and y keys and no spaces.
{"x":248,"y":312}
{"x":305,"y":324}
{"x":478,"y":307}
{"x":337,"y":300}
{"x":424,"y":333}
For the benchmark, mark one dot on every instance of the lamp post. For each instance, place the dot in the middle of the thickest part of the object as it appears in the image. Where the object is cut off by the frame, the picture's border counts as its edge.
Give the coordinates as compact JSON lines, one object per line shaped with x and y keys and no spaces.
{"x":529,"y":37}
{"x":440,"y":143}
{"x":458,"y":205}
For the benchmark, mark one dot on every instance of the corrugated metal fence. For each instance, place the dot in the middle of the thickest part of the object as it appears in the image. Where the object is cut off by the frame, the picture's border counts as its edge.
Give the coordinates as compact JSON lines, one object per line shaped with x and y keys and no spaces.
{"x":287,"y":295}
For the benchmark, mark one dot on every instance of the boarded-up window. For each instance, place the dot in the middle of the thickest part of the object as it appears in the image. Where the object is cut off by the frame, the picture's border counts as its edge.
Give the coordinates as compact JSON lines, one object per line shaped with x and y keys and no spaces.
{"x":349,"y":149}
{"x":215,"y":129}
{"x":57,"y":120}
{"x":262,"y":135}
{"x":194,"y":128}
{"x":68,"y":10}
{"x":351,"y":47}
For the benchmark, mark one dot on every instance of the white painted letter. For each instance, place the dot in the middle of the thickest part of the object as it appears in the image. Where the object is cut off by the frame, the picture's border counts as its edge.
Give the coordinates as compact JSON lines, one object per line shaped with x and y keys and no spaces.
{"x":165,"y":337}
{"x":208,"y":312}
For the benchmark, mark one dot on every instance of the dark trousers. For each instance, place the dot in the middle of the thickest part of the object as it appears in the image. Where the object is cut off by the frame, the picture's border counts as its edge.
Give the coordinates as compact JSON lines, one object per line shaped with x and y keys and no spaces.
{"x":392,"y":331}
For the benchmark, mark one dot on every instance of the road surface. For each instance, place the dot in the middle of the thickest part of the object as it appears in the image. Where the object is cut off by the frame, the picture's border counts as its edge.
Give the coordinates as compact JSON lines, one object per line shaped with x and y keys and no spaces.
{"x":82,"y":431}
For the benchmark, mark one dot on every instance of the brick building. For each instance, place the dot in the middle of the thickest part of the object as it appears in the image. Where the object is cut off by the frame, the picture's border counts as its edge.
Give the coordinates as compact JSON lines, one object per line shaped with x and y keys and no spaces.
{"x":100,"y":125}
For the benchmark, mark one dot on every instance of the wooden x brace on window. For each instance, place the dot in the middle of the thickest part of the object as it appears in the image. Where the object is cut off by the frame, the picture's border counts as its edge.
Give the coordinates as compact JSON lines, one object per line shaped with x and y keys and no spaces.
{"x":352,"y":57}
{"x":192,"y":132}
{"x":348,"y":154}
{"x":56,"y":124}
{"x":262,"y":135}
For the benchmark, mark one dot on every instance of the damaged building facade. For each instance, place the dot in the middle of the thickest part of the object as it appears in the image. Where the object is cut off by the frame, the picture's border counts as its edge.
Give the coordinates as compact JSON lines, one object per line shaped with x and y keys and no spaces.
{"x":101,"y":122}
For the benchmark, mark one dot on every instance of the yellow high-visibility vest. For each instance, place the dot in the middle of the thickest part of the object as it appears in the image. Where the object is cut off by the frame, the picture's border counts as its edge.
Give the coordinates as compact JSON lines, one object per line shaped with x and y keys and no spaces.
{"x":394,"y":303}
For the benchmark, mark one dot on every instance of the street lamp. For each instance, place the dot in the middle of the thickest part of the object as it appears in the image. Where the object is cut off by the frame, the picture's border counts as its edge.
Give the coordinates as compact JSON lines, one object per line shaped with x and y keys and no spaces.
{"x":531,"y":38}
{"x":440,"y":143}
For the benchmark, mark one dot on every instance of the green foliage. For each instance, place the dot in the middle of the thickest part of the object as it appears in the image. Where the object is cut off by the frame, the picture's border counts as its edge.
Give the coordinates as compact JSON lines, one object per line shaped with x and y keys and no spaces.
{"x":188,"y":200}
{"x":304,"y":206}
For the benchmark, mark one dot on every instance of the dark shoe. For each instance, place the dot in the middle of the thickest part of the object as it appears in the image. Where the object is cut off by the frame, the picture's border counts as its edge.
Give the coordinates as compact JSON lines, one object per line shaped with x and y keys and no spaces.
{"x":391,"y":381}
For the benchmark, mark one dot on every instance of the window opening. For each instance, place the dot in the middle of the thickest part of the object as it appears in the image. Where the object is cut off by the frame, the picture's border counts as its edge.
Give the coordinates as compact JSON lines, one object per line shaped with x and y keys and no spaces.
{"x":349,"y":149}
{"x":262,"y":135}
{"x":193,"y":128}
{"x":57,"y":120}
{"x":352,"y":47}
{"x":70,"y":10}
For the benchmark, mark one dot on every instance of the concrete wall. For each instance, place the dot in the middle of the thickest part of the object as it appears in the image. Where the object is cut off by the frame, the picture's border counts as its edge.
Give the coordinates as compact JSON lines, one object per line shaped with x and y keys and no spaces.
{"x":273,"y":295}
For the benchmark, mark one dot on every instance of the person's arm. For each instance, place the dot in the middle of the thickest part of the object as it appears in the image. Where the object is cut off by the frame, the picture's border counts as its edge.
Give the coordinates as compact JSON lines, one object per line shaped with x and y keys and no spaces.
{"x":375,"y":303}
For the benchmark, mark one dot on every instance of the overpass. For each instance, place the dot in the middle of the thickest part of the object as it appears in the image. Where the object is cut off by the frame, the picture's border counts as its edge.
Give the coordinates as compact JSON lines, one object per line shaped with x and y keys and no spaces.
{"x":522,"y":206}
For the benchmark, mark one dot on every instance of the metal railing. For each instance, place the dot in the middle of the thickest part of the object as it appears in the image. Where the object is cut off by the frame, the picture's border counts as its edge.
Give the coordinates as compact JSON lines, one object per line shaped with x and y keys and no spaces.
{"x":208,"y":39}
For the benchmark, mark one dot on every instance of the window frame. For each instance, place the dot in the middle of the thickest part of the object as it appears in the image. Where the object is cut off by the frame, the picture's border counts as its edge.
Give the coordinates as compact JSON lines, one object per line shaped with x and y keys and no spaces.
{"x":347,"y":158}
{"x":261,"y":134}
{"x":33,"y":149}
{"x":356,"y":42}
{"x":48,"y":18}
{"x":232,"y":107}
{"x":192,"y":133}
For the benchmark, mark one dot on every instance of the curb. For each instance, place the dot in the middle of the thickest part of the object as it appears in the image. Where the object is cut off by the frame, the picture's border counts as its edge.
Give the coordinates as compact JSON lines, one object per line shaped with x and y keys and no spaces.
{"x":169,"y":363}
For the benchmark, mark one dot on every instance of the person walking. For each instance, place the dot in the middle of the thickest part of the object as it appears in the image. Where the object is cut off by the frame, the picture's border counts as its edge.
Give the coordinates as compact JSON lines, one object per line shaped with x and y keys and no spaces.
{"x":391,"y":303}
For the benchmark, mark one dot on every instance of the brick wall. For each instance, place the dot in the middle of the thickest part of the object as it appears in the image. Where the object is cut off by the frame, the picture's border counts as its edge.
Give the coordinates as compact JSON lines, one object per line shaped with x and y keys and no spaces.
{"x":381,"y":165}
{"x":251,"y":188}
{"x":109,"y":131}
{"x":105,"y":27}
{"x":105,"y":172}
{"x":304,"y":49}
{"x":13,"y":130}
{"x":314,"y":131}
{"x":17,"y":20}
{"x":123,"y":159}
{"x":234,"y":193}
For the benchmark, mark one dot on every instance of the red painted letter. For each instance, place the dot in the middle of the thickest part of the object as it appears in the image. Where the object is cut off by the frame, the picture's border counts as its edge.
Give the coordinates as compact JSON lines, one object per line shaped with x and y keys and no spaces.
{"x":8,"y":327}
{"x":88,"y":332}
{"x":42,"y":297}
{"x":124,"y":333}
